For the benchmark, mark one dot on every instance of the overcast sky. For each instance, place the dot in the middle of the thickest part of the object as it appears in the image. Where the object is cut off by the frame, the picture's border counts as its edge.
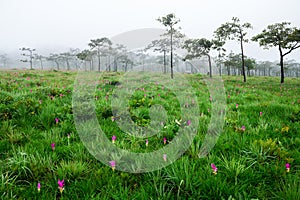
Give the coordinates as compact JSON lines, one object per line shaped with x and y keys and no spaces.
{"x":62,"y":24}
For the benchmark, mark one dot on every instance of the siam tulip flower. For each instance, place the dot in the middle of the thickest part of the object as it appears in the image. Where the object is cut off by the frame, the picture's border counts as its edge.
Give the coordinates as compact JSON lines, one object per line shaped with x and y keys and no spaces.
{"x":287,"y":166}
{"x":193,"y":101}
{"x":165,"y":140}
{"x":112,"y":164}
{"x":39,"y":186}
{"x":61,"y":184}
{"x":113,"y":118}
{"x":61,"y":95}
{"x":243,"y":128}
{"x":236,"y":105}
{"x":113,"y":138}
{"x":30,"y":90}
{"x":210,"y":99}
{"x":53,"y":146}
{"x":147,"y":142}
{"x":96,"y":97}
{"x":229,"y":96}
{"x":165,"y":157}
{"x":56,"y":120}
{"x":214,"y":168}
{"x":158,"y":95}
{"x":69,"y":135}
{"x":145,"y":95}
{"x":260,"y":113}
{"x":106,"y":97}
{"x":189,"y":122}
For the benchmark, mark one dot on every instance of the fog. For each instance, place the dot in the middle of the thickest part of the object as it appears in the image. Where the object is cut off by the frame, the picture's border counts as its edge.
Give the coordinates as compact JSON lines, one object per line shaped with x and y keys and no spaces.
{"x":56,"y":26}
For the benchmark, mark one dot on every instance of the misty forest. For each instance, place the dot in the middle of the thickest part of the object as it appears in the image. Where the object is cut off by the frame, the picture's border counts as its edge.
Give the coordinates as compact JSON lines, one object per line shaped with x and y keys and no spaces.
{"x":242,"y":123}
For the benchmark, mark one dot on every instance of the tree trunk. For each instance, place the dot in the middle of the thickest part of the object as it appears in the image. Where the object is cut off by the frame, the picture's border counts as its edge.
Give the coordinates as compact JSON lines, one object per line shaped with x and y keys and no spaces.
{"x":243,"y":60}
{"x":209,"y":63}
{"x":281,"y":65}
{"x":172,"y":76}
{"x":165,"y":68}
{"x":99,"y":62}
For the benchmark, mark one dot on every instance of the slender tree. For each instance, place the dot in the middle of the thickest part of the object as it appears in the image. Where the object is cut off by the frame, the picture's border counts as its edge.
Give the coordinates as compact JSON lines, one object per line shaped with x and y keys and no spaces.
{"x":235,"y":31}
{"x":170,"y":21}
{"x":280,"y":35}
{"x":28,"y":55}
{"x":100,"y":45}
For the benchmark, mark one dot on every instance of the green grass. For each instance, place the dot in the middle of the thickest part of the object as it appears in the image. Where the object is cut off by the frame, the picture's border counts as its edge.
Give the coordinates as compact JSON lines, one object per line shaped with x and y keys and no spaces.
{"x":251,"y":163}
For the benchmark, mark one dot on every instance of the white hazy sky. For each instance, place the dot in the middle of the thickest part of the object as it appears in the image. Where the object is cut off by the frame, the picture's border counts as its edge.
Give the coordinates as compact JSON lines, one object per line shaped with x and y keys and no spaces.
{"x":62,"y":24}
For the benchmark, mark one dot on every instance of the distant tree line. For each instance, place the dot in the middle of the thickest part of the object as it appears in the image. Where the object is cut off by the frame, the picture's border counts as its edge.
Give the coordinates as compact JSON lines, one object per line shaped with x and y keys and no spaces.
{"x":103,"y":55}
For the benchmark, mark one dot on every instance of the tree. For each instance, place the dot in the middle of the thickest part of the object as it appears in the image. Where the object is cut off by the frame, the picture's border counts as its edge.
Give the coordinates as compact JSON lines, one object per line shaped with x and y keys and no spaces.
{"x":40,"y":58}
{"x":100,"y":46}
{"x":30,"y":55}
{"x":197,"y":48}
{"x":235,"y":31}
{"x":85,"y":55}
{"x":56,"y":58}
{"x":280,"y":35}
{"x":3,"y":60}
{"x":170,"y":21}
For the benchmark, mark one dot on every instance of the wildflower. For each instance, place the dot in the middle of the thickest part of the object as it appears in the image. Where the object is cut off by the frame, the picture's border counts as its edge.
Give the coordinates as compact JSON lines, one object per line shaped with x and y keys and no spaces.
{"x":113,"y":118}
{"x":97,"y":97}
{"x":69,"y":135}
{"x":61,"y":184}
{"x":106,"y":97}
{"x":30,"y":90}
{"x":53,"y":146}
{"x":61,"y":95}
{"x":39,"y":186}
{"x":189,"y":122}
{"x":165,"y":140}
{"x":56,"y":120}
{"x":236,"y":105}
{"x":158,"y":95}
{"x":165,"y":157}
{"x":210,"y":99}
{"x":287,"y":166}
{"x":214,"y":168}
{"x":113,"y":138}
{"x":112,"y":164}
{"x":243,"y":128}
{"x":229,"y":96}
{"x":147,"y":142}
{"x":260,"y":113}
{"x":40,"y":101}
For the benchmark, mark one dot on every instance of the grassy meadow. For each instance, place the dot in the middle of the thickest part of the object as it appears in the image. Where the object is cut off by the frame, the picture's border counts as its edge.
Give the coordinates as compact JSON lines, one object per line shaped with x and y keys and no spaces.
{"x":39,"y":142}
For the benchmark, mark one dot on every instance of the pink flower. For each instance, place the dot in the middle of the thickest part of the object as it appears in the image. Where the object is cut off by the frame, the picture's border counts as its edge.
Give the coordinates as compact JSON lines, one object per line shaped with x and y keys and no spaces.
{"x":30,"y":90}
{"x":189,"y":122}
{"x":165,"y":140}
{"x":210,"y":99}
{"x":236,"y":105}
{"x":61,"y":95}
{"x":56,"y":120}
{"x":214,"y":168}
{"x":53,"y":146}
{"x":287,"y":166}
{"x":260,"y":113}
{"x":113,"y":138}
{"x":165,"y":157}
{"x":243,"y":128}
{"x":158,"y":95}
{"x":113,"y":118}
{"x":69,"y":135}
{"x":112,"y":164}
{"x":39,"y":186}
{"x":106,"y":97}
{"x":229,"y":96}
{"x":61,"y":184}
{"x":147,"y":142}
